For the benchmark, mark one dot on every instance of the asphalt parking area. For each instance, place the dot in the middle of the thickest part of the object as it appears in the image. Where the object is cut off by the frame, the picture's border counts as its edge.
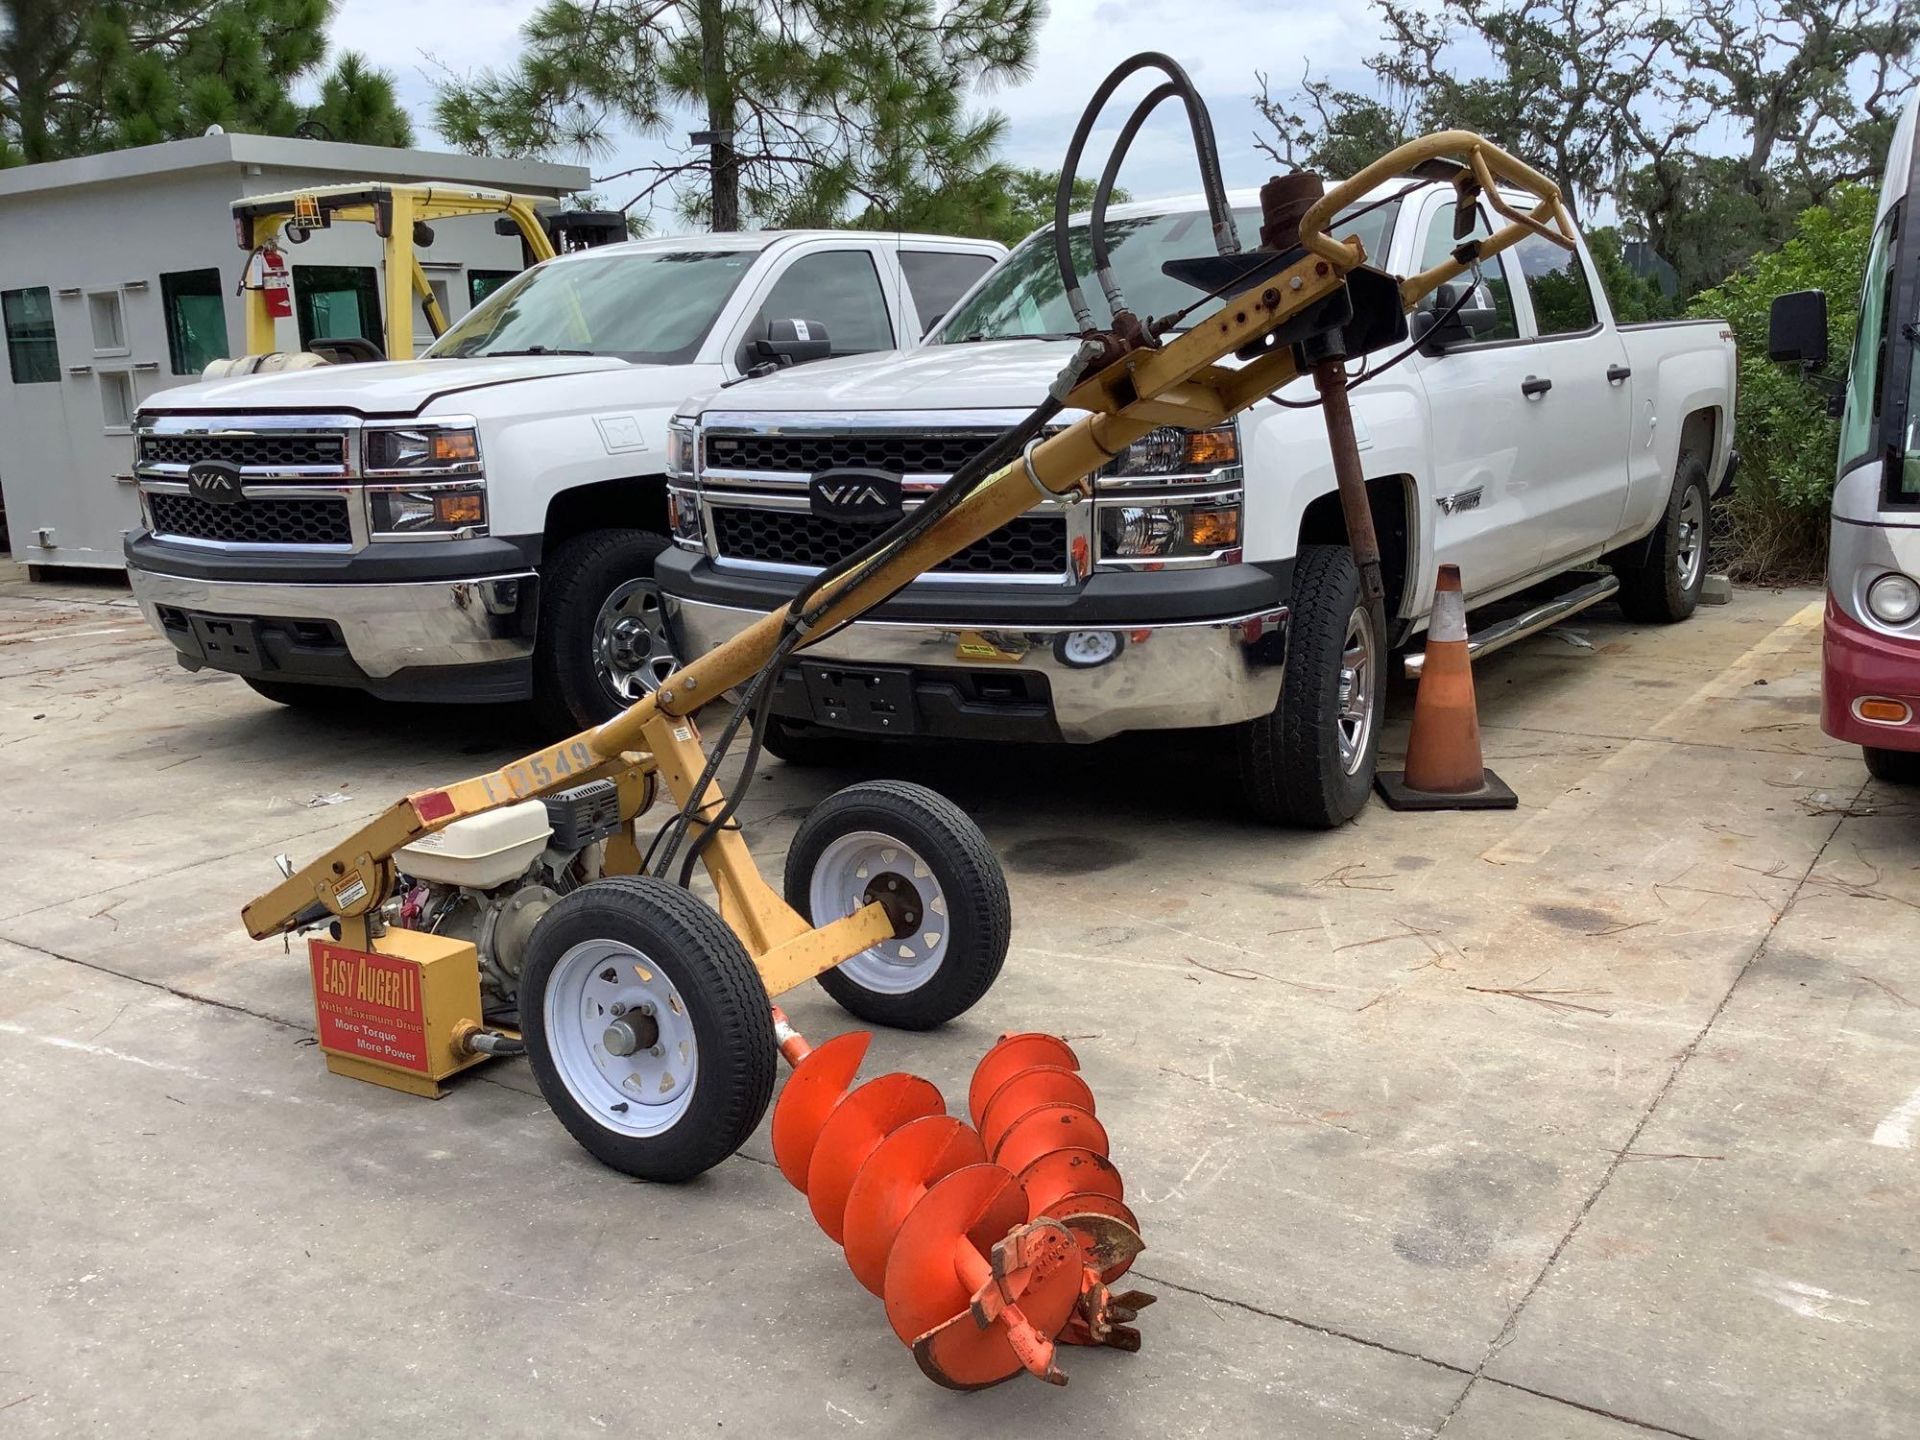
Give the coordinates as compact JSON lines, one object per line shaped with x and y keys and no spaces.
{"x":1590,"y":1120}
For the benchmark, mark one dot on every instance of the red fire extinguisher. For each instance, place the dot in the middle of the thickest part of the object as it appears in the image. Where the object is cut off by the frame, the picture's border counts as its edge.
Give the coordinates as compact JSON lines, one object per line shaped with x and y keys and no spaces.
{"x":275,"y":282}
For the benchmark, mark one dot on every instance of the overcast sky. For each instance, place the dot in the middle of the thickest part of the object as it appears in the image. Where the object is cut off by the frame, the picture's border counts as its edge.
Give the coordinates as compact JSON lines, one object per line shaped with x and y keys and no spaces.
{"x":1220,"y":42}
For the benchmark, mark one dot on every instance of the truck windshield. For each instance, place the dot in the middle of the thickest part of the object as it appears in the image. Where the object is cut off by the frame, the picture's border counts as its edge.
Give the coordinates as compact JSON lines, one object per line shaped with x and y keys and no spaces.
{"x":649,"y":307}
{"x":1023,"y":298}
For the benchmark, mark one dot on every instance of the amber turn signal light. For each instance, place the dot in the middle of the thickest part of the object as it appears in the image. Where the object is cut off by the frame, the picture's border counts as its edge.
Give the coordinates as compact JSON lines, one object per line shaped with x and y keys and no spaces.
{"x":465,"y":509}
{"x":1883,"y":712}
{"x":1213,"y":529}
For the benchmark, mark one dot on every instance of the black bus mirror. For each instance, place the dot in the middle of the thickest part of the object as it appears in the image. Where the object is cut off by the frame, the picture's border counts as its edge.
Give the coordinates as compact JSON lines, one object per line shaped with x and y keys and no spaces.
{"x":1797,"y":329}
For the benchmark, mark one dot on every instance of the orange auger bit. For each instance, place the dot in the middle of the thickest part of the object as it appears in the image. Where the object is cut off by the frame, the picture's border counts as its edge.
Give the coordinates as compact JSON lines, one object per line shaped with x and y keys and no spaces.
{"x":990,"y":1246}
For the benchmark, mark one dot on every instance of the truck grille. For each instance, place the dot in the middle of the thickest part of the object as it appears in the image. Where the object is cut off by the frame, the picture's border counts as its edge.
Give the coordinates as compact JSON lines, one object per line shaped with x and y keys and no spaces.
{"x":266,"y":450}
{"x":1030,"y":545}
{"x":305,"y":520}
{"x":808,"y":454}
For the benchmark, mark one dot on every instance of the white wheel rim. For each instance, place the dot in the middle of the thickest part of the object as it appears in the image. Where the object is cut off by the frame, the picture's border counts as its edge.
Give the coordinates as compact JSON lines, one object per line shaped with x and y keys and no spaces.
{"x":595,"y":985}
{"x":838,"y":887}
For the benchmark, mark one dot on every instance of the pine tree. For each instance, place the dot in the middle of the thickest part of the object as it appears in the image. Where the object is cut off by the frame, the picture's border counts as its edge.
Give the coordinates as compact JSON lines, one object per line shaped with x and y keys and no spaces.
{"x":814,"y":107}
{"x":77,"y":76}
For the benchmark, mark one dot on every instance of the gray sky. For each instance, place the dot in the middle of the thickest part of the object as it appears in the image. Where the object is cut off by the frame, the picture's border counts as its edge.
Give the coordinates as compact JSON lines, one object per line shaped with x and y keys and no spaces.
{"x":1221,"y":43}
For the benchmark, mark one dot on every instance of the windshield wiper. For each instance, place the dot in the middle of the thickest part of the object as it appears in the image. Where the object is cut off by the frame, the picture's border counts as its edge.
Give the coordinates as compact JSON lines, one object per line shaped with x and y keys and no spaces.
{"x":535,"y":350}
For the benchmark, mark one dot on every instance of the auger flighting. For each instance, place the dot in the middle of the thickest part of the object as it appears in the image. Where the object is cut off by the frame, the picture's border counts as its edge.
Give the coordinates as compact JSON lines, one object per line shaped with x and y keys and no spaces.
{"x":991,"y":1243}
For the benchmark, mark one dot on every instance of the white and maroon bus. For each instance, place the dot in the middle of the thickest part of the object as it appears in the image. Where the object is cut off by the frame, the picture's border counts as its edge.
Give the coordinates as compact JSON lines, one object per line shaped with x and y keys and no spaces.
{"x":1871,"y":664}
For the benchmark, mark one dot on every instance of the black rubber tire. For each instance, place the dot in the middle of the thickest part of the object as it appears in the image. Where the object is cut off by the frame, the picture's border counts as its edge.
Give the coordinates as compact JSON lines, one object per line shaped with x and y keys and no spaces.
{"x":808,"y":746}
{"x":1650,"y":588}
{"x":979,"y":914}
{"x":321,"y":699}
{"x":1895,"y":767}
{"x":576,"y":578}
{"x":732,"y":1021}
{"x":1290,"y":771}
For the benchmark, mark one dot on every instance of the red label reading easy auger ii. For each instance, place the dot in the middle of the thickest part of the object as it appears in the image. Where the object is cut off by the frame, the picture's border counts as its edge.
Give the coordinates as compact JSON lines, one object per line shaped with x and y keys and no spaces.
{"x":368,"y":1006}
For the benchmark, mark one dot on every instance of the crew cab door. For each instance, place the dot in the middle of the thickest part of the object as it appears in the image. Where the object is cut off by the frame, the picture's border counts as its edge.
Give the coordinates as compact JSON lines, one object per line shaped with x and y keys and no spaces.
{"x":1482,"y":502}
{"x":1578,"y":402}
{"x":838,"y":286}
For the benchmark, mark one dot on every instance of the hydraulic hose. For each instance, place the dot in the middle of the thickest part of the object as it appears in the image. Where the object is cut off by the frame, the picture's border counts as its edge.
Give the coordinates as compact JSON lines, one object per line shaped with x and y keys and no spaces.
{"x":1226,"y":237}
{"x":1097,"y":222}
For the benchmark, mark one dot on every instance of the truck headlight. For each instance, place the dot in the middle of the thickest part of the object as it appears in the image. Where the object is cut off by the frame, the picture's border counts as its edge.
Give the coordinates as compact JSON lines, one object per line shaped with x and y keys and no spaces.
{"x":1894,"y":598}
{"x":425,"y":510}
{"x":1171,"y":451}
{"x":1168,"y":532}
{"x":420,"y":450}
{"x":682,"y":446}
{"x":683,"y":518}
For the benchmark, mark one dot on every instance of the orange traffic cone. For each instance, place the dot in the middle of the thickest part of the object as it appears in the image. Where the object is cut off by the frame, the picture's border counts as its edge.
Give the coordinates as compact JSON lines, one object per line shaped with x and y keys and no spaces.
{"x":1444,"y":770}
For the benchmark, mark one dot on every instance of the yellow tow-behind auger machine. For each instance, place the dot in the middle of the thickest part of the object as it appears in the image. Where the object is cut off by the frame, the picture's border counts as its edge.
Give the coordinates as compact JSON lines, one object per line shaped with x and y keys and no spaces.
{"x":401,"y":215}
{"x":647,"y":1014}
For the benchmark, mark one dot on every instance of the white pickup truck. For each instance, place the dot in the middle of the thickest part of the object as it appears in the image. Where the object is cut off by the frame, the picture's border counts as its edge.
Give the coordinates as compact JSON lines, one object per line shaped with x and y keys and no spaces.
{"x":1527,"y":436}
{"x":481,"y":524}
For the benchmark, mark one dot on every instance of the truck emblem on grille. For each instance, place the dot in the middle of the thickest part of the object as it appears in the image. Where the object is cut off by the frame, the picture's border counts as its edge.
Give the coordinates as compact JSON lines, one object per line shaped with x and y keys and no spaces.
{"x":215,"y":481}
{"x":864,"y":497}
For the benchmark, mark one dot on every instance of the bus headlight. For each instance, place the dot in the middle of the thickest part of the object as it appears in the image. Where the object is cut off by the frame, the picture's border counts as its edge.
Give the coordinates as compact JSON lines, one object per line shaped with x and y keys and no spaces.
{"x":1894,"y":598}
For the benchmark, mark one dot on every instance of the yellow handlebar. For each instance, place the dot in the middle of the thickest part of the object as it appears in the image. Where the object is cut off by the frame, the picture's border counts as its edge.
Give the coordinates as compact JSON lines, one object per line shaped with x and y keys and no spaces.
{"x":1488,"y":167}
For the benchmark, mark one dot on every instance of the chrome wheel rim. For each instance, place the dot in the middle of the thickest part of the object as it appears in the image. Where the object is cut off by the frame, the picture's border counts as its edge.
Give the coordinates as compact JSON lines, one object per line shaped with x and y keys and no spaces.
{"x":865,"y":865}
{"x":632,"y":650}
{"x":1690,"y":544}
{"x":1354,"y":722}
{"x":621,"y":1038}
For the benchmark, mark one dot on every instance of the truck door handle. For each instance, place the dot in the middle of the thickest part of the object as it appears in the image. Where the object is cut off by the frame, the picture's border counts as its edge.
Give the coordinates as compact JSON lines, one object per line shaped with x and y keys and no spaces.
{"x":1618,"y":373}
{"x":1533,"y":385}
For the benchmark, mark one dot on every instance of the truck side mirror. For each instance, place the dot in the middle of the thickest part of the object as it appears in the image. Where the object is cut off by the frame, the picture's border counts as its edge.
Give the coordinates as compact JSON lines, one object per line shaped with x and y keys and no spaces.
{"x":793,"y":342}
{"x":1797,"y":329}
{"x":1465,"y":324}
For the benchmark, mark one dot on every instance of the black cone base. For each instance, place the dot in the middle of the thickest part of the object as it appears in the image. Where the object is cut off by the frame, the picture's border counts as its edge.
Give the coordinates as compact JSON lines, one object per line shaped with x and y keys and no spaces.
{"x":1493,"y":794}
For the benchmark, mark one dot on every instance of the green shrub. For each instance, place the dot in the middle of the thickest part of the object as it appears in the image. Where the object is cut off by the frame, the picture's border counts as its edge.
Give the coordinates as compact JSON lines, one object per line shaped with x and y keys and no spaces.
{"x":1775,"y":526}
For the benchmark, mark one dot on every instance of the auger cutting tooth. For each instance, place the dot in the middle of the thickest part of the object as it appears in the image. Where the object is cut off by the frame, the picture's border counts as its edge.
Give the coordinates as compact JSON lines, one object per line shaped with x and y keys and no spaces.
{"x":975,"y":1317}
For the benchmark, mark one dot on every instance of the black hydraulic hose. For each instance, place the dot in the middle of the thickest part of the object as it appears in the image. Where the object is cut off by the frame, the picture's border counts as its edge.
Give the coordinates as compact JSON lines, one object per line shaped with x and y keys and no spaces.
{"x":1097,"y":222}
{"x":1226,"y":236}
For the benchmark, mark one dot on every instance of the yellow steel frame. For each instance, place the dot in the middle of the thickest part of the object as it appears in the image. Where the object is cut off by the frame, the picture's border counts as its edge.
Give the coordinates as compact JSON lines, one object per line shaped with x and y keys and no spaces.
{"x":405,"y":280}
{"x":1183,"y":383}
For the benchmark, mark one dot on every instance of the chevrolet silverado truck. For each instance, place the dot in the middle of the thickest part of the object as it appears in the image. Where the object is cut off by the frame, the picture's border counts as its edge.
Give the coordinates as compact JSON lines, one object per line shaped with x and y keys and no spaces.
{"x":481,"y":524}
{"x":1206,"y":581}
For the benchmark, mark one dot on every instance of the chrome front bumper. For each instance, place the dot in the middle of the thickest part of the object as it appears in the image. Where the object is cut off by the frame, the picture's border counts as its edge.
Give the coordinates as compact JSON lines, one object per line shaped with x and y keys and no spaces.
{"x":1161,"y":677}
{"x":387,"y":627}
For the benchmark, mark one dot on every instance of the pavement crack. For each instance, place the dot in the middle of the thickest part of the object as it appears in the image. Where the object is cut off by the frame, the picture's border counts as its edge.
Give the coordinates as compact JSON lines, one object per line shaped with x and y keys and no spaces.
{"x":1505,"y":1336}
{"x":189,"y":995}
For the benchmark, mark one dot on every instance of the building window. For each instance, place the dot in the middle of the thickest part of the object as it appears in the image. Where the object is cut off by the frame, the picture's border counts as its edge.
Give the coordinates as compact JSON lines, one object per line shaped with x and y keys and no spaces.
{"x":116,"y":399}
{"x":334,"y":302}
{"x":482,"y":283}
{"x":196,"y":311}
{"x":32,"y":354}
{"x":109,"y":328}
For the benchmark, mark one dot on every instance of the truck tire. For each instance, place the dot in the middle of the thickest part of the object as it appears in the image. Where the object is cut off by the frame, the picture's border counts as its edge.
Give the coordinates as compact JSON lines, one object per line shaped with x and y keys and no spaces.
{"x":602,"y":640}
{"x":1661,"y":584}
{"x":1310,"y":763}
{"x":1895,"y":767}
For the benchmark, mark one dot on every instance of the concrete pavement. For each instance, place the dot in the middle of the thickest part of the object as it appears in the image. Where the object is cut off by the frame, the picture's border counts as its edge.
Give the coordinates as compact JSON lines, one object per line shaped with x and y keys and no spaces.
{"x":1593,"y":1119}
